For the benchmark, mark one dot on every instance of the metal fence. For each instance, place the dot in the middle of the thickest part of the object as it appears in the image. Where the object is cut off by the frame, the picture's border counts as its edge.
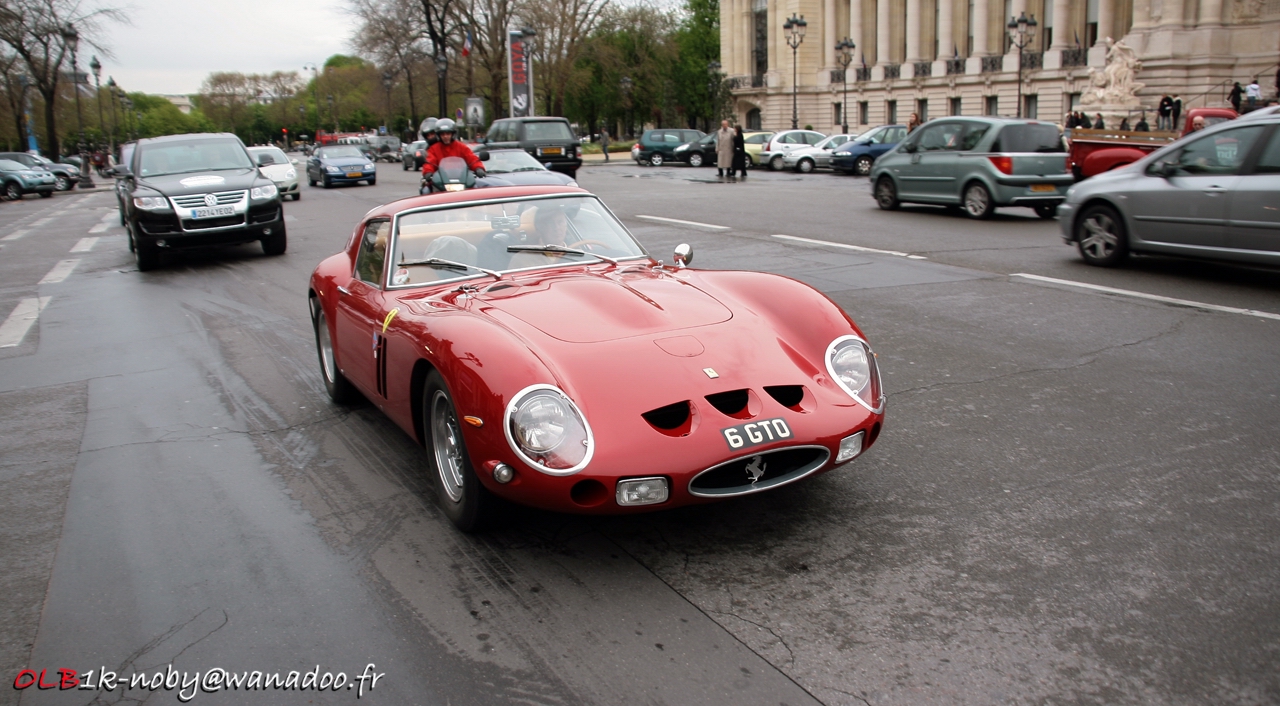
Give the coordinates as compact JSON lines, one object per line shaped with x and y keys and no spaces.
{"x":923,"y":68}
{"x":955,"y":66}
{"x":992,"y":64}
{"x":892,"y":71}
{"x":1078,"y":56}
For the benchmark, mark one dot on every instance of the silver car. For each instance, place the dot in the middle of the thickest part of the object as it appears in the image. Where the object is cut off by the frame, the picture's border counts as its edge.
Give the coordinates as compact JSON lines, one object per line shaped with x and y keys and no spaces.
{"x":776,"y":149}
{"x":806,"y":159}
{"x":1212,"y":194}
{"x":281,"y":169}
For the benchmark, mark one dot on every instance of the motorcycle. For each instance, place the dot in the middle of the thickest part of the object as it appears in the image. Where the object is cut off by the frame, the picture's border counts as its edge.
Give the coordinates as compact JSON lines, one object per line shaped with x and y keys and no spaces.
{"x":452,"y":175}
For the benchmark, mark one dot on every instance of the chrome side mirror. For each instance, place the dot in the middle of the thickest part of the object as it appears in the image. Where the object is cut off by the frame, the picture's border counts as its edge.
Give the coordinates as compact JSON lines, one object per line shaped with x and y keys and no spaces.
{"x":683,"y":255}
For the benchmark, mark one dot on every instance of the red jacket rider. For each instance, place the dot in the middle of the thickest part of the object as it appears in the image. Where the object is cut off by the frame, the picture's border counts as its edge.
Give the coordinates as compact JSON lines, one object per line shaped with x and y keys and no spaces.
{"x":449,"y":146}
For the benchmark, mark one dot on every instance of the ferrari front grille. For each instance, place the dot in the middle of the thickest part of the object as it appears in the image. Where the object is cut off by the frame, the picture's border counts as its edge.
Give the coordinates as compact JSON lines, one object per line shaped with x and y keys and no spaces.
{"x":762,"y":471}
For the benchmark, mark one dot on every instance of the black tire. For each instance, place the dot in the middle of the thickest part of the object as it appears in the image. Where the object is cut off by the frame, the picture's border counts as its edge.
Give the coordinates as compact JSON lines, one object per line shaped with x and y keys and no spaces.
{"x":461,"y":496}
{"x":695,"y":159}
{"x":751,"y":163}
{"x":775,"y":163}
{"x":804,"y":166}
{"x":124,"y":222}
{"x":977,"y":201}
{"x":276,"y":243}
{"x":655,"y":159}
{"x":862,"y":166}
{"x":297,"y":196}
{"x":405,"y":166}
{"x":326,"y":183}
{"x":336,"y":385}
{"x":310,"y":181}
{"x":1100,"y":236}
{"x":1047,"y":212}
{"x":128,"y":232}
{"x":887,"y":194}
{"x":373,"y":182}
{"x":146,"y":257}
{"x":61,"y":183}
{"x":46,"y":194}
{"x":13,"y":192}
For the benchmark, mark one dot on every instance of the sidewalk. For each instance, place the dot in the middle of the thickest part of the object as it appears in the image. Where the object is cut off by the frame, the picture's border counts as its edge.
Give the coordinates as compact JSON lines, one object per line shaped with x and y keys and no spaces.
{"x":614,"y":158}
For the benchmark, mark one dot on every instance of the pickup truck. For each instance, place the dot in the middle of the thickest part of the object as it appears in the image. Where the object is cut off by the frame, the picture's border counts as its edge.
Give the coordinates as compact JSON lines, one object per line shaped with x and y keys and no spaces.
{"x":1097,"y":151}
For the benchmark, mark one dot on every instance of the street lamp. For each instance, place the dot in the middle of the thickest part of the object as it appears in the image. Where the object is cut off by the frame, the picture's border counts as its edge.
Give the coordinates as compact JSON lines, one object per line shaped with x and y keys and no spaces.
{"x":72,"y":39}
{"x":1022,"y":32}
{"x":127,"y":104}
{"x":442,"y":82}
{"x":713,"y":93}
{"x":333,"y":113}
{"x":844,"y":54}
{"x":528,"y":35}
{"x":115,"y":126}
{"x":96,"y":68}
{"x":795,"y":29}
{"x":386,"y":82}
{"x":627,"y":84}
{"x":315,"y":83}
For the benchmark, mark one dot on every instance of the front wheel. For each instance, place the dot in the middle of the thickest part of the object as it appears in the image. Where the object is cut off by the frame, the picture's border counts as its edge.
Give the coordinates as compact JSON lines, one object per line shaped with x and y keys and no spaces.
{"x":1100,"y":237}
{"x":695,"y":160}
{"x":326,"y":183}
{"x":336,"y":385}
{"x":462,"y":498}
{"x":46,"y":194}
{"x":276,"y":243}
{"x":655,"y":159}
{"x":146,"y":257}
{"x":863,"y":165}
{"x":61,"y":183}
{"x":977,"y":201}
{"x":297,"y":196}
{"x":1047,"y":212}
{"x":12,"y":191}
{"x":373,"y":182}
{"x":887,"y":194}
{"x":775,"y":163}
{"x":805,"y":166}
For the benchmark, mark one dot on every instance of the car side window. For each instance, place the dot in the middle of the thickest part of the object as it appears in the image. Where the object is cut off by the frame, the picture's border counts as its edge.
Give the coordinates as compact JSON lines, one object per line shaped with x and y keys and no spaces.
{"x":814,"y":138}
{"x":672,"y":137}
{"x":973,"y":134}
{"x":1269,"y":160}
{"x":373,"y":251}
{"x":943,"y":137}
{"x":792,"y":139}
{"x":1219,"y":153}
{"x":691,"y":135}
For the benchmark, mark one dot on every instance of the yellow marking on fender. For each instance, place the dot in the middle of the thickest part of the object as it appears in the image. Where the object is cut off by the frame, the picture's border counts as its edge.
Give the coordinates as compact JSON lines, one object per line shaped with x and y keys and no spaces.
{"x":387,"y":321}
{"x":474,"y":421}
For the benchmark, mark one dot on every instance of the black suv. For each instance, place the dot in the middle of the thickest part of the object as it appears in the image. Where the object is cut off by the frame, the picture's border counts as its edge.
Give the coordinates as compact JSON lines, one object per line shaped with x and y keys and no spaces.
{"x":197,"y":190}
{"x":66,"y":175}
{"x":549,"y":140}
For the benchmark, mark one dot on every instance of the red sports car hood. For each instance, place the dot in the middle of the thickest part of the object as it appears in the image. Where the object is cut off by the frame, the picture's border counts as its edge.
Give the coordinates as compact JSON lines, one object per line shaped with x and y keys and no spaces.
{"x":592,"y":307}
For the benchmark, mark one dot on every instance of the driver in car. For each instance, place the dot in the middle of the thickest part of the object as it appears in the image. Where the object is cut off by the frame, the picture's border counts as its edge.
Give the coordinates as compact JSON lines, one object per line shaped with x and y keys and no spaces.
{"x":448,"y":146}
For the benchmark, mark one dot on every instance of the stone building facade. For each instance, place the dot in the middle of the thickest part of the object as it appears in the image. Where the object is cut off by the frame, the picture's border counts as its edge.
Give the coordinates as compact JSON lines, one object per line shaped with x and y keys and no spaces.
{"x":948,"y":57}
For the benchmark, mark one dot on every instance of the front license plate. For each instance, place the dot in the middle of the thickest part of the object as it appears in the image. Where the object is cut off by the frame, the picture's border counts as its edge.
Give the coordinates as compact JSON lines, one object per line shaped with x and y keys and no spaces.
{"x":755,"y":433}
{"x":552,"y":150}
{"x":216,"y":212}
{"x":1043,"y":188}
{"x":360,"y":174}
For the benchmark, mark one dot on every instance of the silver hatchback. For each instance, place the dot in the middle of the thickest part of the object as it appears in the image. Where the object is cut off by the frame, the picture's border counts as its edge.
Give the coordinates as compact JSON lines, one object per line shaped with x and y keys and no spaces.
{"x":1212,"y":194}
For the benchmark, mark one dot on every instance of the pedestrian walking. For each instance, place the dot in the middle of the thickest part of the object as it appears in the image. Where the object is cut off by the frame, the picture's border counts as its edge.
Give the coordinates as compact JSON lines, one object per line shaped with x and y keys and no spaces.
{"x":1164,"y":113}
{"x":1177,"y":111}
{"x":739,"y":163}
{"x":1237,"y":93}
{"x":604,"y":143}
{"x":1253,"y":93}
{"x":724,"y":149}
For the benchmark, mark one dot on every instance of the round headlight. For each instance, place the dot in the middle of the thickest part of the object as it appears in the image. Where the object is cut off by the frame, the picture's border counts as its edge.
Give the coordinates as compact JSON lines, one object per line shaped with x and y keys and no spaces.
{"x":547,"y":431}
{"x":852,"y":366}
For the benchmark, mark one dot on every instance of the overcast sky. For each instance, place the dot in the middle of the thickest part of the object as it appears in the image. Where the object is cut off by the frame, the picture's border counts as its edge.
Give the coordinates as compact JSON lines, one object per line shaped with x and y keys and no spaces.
{"x":171,"y":46}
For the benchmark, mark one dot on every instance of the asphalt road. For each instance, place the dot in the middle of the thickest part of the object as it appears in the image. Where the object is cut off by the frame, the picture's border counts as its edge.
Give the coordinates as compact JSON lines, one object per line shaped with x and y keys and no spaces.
{"x":1076,"y":497}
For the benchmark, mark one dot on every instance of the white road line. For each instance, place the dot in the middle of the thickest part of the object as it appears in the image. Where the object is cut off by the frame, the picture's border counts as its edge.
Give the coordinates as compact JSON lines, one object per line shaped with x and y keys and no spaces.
{"x":100,"y":227}
{"x":290,"y":218}
{"x":691,"y":224}
{"x":109,"y":215}
{"x":859,"y":248}
{"x":60,"y":271}
{"x":85,"y":245}
{"x":42,"y":221}
{"x":1151,"y":297}
{"x":16,"y":234}
{"x":15,"y":328}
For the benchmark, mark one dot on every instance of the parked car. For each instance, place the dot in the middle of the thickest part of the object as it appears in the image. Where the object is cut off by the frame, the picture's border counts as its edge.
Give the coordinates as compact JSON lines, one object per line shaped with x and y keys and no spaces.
{"x":414,"y":155}
{"x":754,"y":143}
{"x":699,"y":152}
{"x":340,"y":164}
{"x":549,"y":140}
{"x":787,"y":141}
{"x":281,"y":169}
{"x":539,"y":355}
{"x":66,"y":176}
{"x":658,"y":146}
{"x":17,"y":180}
{"x":1095,"y":151}
{"x":124,"y":157}
{"x":515,"y":167}
{"x":1213,"y":194}
{"x":806,"y":159}
{"x":977,"y":163}
{"x":856,"y":156}
{"x":198,"y":190}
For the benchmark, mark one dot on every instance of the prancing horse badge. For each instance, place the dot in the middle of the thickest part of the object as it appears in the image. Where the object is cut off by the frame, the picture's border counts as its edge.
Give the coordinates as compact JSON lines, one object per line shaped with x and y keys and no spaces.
{"x":755,"y":469}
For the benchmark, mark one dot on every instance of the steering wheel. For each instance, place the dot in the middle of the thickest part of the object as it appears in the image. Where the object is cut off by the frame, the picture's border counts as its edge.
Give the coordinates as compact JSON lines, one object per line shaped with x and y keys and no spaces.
{"x":587,"y":243}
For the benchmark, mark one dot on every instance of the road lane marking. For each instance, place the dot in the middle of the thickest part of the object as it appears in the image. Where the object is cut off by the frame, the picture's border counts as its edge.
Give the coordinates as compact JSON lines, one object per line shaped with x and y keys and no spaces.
{"x":100,"y":227}
{"x":677,"y":221}
{"x":16,"y":234}
{"x":15,"y":328}
{"x":42,"y":221}
{"x":1151,"y":297}
{"x":289,"y":217}
{"x":60,"y":271}
{"x":109,"y":215}
{"x":85,"y":245}
{"x":859,"y":248}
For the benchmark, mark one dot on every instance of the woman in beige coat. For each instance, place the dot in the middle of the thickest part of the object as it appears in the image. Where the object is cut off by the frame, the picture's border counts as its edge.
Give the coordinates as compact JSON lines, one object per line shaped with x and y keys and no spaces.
{"x":724,"y":148}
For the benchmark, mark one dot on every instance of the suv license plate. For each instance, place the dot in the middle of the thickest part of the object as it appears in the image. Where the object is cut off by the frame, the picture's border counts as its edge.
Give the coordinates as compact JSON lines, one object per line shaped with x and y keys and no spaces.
{"x":217,"y":212}
{"x":355,"y":174}
{"x":1043,"y":188}
{"x":552,"y":150}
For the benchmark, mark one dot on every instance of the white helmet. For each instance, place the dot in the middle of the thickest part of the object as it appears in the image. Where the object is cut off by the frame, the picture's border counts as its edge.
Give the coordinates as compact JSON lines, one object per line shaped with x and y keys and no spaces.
{"x":445,"y":125}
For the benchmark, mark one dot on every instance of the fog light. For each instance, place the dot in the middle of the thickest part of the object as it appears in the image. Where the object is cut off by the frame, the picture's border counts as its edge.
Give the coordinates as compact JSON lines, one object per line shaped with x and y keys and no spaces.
{"x":642,"y":491}
{"x":850,"y":446}
{"x":266,"y":231}
{"x":161,"y":244}
{"x":503,"y":473}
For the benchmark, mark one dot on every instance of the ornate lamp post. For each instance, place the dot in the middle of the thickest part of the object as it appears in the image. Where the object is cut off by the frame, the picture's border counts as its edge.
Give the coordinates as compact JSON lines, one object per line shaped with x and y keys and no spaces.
{"x":96,"y":68}
{"x":386,"y":83}
{"x":795,"y":29}
{"x":127,"y":106}
{"x":333,"y":113}
{"x":844,"y":54}
{"x":115,"y":125}
{"x":315,"y":98}
{"x":627,"y":85}
{"x":1022,"y":32}
{"x":530,"y":36}
{"x":72,"y":38}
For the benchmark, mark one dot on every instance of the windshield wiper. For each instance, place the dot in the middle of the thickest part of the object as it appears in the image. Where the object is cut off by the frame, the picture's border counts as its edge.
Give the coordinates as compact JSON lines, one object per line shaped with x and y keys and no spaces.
{"x":558,"y":249}
{"x":442,"y":264}
{"x":529,"y":169}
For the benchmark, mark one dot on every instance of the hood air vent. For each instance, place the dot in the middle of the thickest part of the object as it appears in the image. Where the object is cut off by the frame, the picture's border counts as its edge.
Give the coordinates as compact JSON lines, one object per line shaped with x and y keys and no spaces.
{"x":739,"y":404}
{"x":672,"y":420}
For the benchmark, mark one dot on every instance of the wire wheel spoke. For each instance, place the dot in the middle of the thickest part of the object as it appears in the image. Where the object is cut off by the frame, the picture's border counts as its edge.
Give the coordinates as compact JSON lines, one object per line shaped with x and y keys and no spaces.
{"x":446,"y":441}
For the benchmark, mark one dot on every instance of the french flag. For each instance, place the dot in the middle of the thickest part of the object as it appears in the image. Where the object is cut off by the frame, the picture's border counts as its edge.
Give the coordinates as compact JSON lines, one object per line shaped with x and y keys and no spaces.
{"x":466,"y":45}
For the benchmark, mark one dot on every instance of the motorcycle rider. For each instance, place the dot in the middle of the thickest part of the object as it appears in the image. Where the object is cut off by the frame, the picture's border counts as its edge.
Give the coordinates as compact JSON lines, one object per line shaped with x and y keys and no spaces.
{"x":449,"y":146}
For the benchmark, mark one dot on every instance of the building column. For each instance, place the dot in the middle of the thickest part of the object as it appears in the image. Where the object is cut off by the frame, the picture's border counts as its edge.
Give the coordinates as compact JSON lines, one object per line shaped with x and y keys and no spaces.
{"x":1106,"y":19}
{"x":913,"y":31}
{"x":1210,"y":12}
{"x":980,"y":27}
{"x":1172,"y":13}
{"x":884,"y":55}
{"x":829,"y":34}
{"x":1061,"y":25}
{"x":946,"y":43}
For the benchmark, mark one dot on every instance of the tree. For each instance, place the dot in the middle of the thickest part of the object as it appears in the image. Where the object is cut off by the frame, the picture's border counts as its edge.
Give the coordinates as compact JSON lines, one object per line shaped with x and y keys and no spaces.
{"x":391,"y":32}
{"x":489,"y":21}
{"x":563,"y":27}
{"x":698,"y":41}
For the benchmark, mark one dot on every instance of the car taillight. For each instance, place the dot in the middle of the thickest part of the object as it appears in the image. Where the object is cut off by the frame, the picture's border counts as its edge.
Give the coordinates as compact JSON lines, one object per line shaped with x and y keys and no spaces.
{"x":1004,"y":164}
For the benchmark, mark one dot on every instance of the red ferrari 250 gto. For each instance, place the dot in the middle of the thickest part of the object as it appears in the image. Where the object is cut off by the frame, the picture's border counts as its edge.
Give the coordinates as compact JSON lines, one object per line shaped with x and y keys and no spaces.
{"x":539,"y":354}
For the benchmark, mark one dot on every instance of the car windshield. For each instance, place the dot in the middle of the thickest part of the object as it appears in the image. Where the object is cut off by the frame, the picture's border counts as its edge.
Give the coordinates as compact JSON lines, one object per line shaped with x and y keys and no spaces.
{"x":758,"y":139}
{"x":503,"y":161}
{"x":505,"y":236}
{"x":1029,"y":138}
{"x":9,"y":165}
{"x":549,"y":130}
{"x":873,"y":136}
{"x":339,"y":151}
{"x":192,"y":156}
{"x":278,"y":154}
